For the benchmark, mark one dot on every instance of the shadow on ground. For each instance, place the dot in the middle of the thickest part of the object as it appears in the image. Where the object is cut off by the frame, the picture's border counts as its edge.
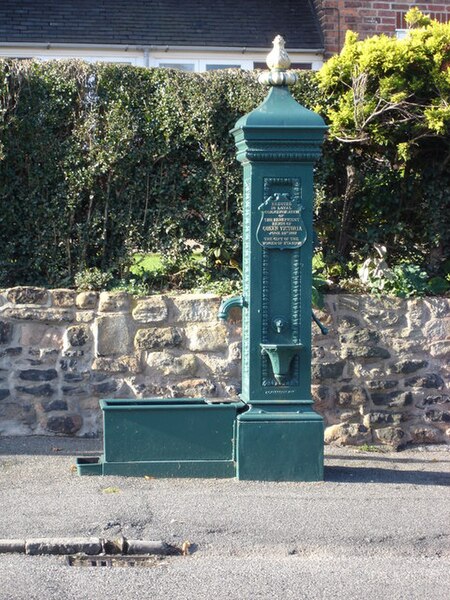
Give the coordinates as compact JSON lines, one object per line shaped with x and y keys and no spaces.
{"x":338,"y":474}
{"x":396,"y":458}
{"x":48,"y":446}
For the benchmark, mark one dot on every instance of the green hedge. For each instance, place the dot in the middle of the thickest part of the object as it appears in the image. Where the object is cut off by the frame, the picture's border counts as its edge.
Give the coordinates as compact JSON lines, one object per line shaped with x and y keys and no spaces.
{"x":99,"y":162}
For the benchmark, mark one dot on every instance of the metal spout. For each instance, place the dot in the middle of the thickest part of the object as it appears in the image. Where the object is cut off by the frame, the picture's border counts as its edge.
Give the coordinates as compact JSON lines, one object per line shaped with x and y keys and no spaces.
{"x":227,"y":305}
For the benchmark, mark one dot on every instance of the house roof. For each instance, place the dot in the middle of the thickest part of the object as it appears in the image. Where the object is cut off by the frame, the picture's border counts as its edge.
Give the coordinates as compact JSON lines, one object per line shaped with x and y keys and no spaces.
{"x":196,"y":23}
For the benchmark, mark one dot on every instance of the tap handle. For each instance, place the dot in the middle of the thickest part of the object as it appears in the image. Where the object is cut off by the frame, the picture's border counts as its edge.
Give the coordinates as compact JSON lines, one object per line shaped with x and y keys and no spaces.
{"x":320,"y":325}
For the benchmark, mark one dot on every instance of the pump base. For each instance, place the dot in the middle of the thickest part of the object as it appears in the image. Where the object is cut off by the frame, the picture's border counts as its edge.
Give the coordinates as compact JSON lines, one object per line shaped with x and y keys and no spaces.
{"x":280,"y":443}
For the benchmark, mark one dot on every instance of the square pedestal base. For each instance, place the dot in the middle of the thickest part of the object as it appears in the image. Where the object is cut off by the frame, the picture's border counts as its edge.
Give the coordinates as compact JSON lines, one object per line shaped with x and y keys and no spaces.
{"x":273,"y":445}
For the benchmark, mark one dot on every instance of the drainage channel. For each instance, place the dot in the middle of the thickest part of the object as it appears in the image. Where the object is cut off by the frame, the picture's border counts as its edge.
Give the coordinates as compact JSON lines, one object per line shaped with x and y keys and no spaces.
{"x":78,"y":560}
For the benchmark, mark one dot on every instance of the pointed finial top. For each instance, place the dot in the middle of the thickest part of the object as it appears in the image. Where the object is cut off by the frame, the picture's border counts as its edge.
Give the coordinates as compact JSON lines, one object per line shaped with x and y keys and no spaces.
{"x":278,"y":58}
{"x":278,"y":61}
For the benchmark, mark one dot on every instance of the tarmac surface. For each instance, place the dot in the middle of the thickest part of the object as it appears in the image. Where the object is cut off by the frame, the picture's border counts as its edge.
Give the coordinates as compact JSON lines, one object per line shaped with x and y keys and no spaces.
{"x":378,"y":527}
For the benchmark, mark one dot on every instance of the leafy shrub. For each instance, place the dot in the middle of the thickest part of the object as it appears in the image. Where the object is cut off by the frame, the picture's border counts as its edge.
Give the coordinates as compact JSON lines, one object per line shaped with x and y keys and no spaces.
{"x":92,"y":279}
{"x":101,"y":164}
{"x":385,"y":174}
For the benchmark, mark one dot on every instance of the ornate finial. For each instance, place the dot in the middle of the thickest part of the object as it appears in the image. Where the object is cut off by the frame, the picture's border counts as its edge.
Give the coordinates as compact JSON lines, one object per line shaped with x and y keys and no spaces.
{"x":278,"y":61}
{"x":278,"y":58}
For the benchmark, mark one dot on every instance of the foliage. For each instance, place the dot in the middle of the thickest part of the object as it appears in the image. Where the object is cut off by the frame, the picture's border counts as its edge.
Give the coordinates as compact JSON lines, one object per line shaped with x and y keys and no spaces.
{"x":404,"y":279}
{"x":92,"y":279}
{"x":118,"y":176}
{"x":385,"y":174}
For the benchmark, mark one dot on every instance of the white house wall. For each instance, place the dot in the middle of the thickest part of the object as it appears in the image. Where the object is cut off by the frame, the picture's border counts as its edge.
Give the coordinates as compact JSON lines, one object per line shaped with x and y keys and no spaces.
{"x":147,"y":57}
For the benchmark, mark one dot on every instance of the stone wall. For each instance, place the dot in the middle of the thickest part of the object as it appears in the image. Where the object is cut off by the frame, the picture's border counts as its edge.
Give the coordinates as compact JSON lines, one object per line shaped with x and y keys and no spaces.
{"x":380,"y":376}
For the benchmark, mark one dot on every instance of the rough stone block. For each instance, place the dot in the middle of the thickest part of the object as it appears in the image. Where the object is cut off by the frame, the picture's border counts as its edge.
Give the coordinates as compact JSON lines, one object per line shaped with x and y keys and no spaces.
{"x":440,"y":399}
{"x":155,"y":338}
{"x":105,"y":387}
{"x":4,"y":393}
{"x":206,"y":338}
{"x":382,"y":384}
{"x":195,"y":307}
{"x":350,"y":395}
{"x":86,"y":300}
{"x":392,"y":399}
{"x":356,"y":337}
{"x":67,"y":424}
{"x":349,"y":302}
{"x":11,"y":353}
{"x":405,"y":346}
{"x":368,"y":352}
{"x":429,"y":380}
{"x":38,"y":374}
{"x":27,"y":295}
{"x":123,"y":364}
{"x":51,"y":405}
{"x":113,"y":335}
{"x":437,"y":329}
{"x":393,"y":436}
{"x":63,"y":298}
{"x":41,"y":337}
{"x":84,"y":316}
{"x":348,"y":434}
{"x":348,"y":322}
{"x":151,"y":310}
{"x":195,"y":388}
{"x":69,"y":390}
{"x":408,"y":366}
{"x":74,"y":377}
{"x":327,"y":370}
{"x":78,"y":335}
{"x":45,"y":315}
{"x":440,"y":350}
{"x":350,"y":416}
{"x":45,"y":390}
{"x":386,"y":319}
{"x":235,"y":351}
{"x":421,"y":434}
{"x":434,"y":415}
{"x":6,"y":331}
{"x":382,"y":419}
{"x":322,"y":396}
{"x":233,"y":390}
{"x":114,"y":302}
{"x":438,"y":307}
{"x":168,"y":364}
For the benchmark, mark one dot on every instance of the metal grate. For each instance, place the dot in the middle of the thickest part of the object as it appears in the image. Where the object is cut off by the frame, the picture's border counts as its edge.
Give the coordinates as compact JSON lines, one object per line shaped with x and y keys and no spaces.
{"x":114,"y":561}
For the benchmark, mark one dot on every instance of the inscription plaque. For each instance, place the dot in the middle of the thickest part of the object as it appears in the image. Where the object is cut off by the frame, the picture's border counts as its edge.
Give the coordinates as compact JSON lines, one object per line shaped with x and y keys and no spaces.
{"x":281,"y":224}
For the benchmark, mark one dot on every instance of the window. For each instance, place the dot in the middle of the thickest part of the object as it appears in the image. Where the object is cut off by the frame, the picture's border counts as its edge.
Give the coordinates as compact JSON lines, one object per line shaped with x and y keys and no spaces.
{"x":179,"y":66}
{"x":200,"y":65}
{"x":302,"y":66}
{"x":218,"y":67}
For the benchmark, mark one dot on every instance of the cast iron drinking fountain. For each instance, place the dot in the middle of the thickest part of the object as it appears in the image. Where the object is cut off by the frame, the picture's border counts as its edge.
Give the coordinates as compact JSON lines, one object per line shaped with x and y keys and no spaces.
{"x":272,"y":433}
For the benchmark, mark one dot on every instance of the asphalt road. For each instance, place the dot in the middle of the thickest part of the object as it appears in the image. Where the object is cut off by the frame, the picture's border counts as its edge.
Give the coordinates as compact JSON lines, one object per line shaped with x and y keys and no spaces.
{"x":378,"y":527}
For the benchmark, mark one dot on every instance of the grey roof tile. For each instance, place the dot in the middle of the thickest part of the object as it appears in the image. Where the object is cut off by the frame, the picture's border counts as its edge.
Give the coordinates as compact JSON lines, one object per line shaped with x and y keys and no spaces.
{"x":236,"y":23}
